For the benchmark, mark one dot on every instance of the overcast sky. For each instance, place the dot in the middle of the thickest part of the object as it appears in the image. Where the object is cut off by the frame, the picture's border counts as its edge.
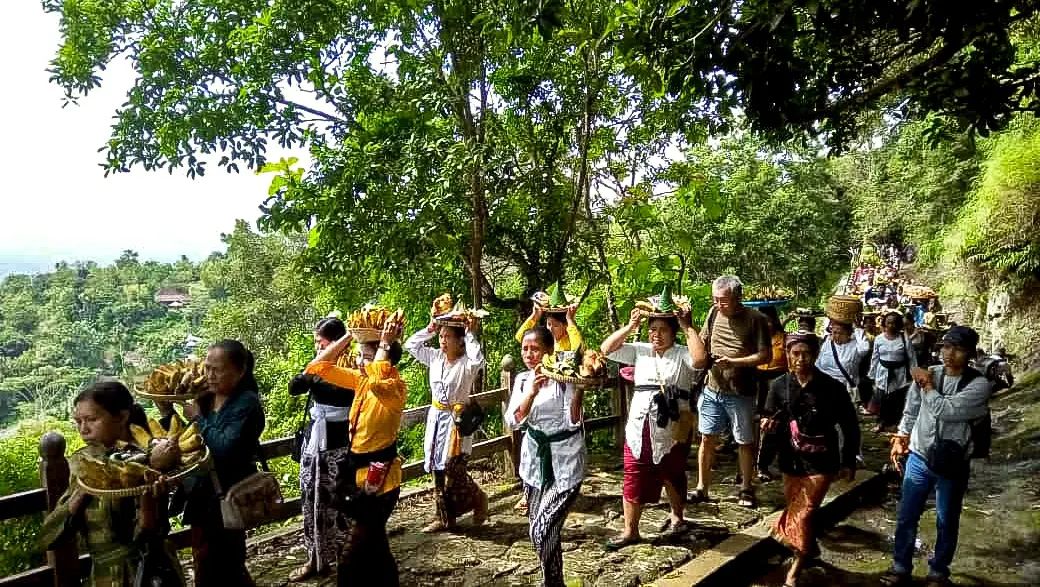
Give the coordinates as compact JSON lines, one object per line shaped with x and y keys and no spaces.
{"x":55,"y":202}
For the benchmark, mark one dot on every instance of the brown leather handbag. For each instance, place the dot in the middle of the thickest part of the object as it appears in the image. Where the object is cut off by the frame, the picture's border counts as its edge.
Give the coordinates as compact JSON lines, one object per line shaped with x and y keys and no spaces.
{"x":253,"y":501}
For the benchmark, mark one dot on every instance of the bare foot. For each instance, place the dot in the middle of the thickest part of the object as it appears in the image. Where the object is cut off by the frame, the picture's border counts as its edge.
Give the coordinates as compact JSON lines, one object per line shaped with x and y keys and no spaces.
{"x":435,"y":526}
{"x":302,"y":573}
{"x":480,"y":513}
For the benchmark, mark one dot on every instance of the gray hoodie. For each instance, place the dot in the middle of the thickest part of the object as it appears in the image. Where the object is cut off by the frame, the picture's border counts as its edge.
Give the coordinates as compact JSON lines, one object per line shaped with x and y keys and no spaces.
{"x":946,"y":409}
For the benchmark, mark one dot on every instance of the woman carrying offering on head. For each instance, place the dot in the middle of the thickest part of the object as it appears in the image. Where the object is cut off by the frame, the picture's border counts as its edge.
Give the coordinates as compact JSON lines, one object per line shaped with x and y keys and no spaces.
{"x":807,"y":408}
{"x":660,"y":424}
{"x":454,"y":367}
{"x":559,"y":315}
{"x":552,"y":457}
{"x":890,"y":366}
{"x":324,"y":526}
{"x":845,"y":347}
{"x":368,"y":476}
{"x":114,"y":529}
{"x":559,"y":312}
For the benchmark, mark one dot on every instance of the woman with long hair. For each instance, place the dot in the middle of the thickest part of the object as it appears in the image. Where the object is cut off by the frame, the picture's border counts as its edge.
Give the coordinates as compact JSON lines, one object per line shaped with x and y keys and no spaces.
{"x":115,"y":531}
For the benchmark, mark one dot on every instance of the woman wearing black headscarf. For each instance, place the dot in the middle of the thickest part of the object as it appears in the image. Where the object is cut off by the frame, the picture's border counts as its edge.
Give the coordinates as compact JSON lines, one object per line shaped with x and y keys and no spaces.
{"x":806,"y":407}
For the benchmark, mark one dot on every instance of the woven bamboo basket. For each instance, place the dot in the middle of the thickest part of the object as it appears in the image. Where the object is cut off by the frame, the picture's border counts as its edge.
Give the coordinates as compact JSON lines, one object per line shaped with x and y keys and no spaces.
{"x":143,"y":489}
{"x":583,"y":381}
{"x":364,"y":335}
{"x":845,"y":309}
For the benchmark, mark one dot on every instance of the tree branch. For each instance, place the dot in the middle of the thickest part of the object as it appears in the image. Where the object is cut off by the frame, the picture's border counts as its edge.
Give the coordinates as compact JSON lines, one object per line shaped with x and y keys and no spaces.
{"x":323,"y":115}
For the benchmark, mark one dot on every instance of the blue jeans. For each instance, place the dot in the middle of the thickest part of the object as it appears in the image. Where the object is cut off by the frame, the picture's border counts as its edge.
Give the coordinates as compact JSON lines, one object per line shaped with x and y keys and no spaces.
{"x":918,"y":483}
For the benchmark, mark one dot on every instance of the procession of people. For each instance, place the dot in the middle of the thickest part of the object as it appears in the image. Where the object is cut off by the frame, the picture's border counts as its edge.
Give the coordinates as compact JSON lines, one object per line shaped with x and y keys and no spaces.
{"x":790,"y":397}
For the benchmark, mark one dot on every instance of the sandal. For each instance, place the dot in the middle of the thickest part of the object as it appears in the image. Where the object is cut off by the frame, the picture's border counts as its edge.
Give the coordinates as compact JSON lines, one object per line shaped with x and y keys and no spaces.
{"x":619,"y":542}
{"x":697,"y":496}
{"x":521,"y":507}
{"x":746,"y":498}
{"x":894,"y":579}
{"x":672,"y":529}
{"x":764,"y":476}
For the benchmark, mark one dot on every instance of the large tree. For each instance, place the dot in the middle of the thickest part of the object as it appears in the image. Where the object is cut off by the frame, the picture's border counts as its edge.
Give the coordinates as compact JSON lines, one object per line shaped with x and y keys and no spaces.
{"x":440,"y":132}
{"x":802,"y":68}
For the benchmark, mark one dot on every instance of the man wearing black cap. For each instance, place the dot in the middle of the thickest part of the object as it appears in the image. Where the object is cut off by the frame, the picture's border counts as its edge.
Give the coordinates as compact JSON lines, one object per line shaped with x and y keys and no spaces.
{"x":936,"y":432}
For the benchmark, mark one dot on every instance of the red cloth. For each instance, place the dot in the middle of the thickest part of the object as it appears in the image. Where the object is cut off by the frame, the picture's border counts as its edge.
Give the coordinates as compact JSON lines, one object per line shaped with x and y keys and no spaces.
{"x":793,"y":528}
{"x":644,"y":480}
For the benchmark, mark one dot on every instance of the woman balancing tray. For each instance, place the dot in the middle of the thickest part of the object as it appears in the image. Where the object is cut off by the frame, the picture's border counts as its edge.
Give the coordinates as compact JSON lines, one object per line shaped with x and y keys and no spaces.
{"x":182,"y":381}
{"x":366,"y":324}
{"x":131,"y":470}
{"x":587,"y":369}
{"x":148,"y":478}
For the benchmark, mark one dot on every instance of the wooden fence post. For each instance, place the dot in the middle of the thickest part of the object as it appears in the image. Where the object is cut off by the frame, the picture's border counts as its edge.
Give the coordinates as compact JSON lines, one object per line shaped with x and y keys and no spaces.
{"x":54,"y":475}
{"x":619,"y":403}
{"x":507,"y":369}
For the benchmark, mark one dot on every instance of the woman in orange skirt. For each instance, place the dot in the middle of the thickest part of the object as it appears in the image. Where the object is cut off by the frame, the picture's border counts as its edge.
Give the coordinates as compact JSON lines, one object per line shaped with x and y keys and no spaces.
{"x":806,"y":407}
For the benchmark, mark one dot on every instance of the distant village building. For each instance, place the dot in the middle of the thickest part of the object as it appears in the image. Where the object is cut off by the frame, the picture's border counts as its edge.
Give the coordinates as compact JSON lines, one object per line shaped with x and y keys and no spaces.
{"x":172,"y":297}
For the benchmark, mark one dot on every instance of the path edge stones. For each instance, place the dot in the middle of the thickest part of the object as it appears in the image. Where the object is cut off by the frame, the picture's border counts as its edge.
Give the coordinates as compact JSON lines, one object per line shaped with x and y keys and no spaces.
{"x":738,"y":558}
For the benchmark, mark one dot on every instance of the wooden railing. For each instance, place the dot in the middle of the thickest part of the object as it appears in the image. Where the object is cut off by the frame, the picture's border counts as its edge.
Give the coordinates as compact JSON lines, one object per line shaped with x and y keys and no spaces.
{"x":65,"y":566}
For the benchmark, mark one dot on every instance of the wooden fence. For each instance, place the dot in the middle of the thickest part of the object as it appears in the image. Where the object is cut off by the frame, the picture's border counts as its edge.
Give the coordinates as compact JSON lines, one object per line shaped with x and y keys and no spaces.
{"x":65,"y":566}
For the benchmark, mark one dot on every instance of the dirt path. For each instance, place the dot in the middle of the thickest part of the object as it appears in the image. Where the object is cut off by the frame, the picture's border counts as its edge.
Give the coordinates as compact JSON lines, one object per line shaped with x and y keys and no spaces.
{"x":501,"y":553}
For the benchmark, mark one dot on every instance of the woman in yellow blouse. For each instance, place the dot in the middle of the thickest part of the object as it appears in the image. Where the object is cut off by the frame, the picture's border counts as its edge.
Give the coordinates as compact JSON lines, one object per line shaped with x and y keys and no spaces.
{"x":559,"y":319}
{"x":369,"y":477}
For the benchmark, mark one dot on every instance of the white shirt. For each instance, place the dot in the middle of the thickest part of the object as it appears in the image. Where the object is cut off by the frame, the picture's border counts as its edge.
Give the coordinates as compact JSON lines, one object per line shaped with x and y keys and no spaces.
{"x":673,"y":367}
{"x":551,"y":413}
{"x":894,"y":351}
{"x":850,"y":355}
{"x":449,"y":385}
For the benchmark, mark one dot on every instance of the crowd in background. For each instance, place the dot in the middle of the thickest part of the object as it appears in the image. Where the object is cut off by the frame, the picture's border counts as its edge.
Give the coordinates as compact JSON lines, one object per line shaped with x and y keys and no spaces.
{"x":790,"y":398}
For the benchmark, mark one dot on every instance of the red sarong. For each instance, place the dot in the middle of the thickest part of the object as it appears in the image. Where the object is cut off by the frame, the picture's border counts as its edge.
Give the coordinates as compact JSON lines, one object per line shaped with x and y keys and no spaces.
{"x":793,"y":528}
{"x":644,"y":480}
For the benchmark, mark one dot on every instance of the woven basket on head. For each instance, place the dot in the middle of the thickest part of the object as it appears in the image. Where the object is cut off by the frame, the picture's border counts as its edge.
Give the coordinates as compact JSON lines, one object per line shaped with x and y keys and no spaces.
{"x":845,"y":309}
{"x":364,"y":335}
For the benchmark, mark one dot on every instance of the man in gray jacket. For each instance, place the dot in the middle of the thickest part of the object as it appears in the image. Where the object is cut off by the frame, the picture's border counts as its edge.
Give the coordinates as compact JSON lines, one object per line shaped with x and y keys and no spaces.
{"x":936,"y":431}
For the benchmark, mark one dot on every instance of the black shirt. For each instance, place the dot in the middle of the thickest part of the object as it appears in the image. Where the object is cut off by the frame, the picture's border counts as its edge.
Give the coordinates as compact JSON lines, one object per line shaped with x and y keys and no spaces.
{"x":819,"y":408}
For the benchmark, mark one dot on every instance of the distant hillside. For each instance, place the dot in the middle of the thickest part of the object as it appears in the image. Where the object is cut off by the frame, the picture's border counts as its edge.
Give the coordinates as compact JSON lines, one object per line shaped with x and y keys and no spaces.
{"x":32,"y":267}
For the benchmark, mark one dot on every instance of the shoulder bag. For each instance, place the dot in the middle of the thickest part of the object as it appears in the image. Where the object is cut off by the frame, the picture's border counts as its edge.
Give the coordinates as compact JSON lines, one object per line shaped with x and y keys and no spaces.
{"x":253,"y":501}
{"x":837,"y":361}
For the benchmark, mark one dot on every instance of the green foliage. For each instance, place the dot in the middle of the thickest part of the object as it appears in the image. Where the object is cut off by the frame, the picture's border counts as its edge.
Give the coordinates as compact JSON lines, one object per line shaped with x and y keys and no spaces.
{"x":908,"y":190}
{"x":998,"y":227}
{"x":816,"y":69}
{"x":64,"y":329}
